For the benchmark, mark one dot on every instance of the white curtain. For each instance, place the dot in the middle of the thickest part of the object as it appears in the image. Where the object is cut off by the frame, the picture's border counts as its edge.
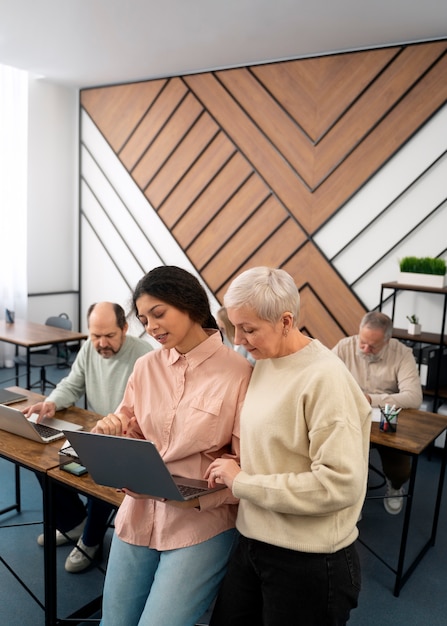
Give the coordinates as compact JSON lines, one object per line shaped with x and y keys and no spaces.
{"x":13,"y":197}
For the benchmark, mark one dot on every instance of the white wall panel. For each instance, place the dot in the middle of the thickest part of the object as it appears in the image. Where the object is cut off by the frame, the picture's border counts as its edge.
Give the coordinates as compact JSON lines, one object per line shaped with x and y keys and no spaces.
{"x":110,"y":237}
{"x":122,"y":237}
{"x":400,"y":212}
{"x":401,"y":172}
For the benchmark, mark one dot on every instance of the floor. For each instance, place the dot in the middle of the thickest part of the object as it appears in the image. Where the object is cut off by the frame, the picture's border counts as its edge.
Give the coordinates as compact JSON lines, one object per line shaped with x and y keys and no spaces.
{"x":422,"y":601}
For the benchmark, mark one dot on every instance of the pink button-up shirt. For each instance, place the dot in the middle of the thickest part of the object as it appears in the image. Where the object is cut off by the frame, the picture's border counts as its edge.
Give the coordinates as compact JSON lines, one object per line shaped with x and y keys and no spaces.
{"x":189,"y":406}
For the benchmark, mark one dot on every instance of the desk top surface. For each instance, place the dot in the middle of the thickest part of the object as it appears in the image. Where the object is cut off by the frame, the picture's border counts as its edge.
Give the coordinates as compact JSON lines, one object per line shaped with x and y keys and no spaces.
{"x":30,"y":334}
{"x":40,"y":456}
{"x":44,"y":457}
{"x":87,"y":486}
{"x":416,"y":430}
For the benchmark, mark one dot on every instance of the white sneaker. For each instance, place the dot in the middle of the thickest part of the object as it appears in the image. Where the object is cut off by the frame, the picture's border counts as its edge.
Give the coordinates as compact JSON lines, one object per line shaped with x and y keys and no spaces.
{"x":77,"y":561}
{"x":61,"y":540}
{"x":393,"y":501}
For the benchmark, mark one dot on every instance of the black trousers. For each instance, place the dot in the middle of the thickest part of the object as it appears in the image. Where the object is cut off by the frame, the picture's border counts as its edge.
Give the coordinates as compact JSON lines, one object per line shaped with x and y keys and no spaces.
{"x":270,"y":586}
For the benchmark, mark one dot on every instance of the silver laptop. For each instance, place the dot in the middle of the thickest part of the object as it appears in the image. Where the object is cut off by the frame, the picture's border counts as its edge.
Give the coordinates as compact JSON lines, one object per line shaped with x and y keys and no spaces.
{"x":49,"y":429}
{"x":135,"y":464}
{"x":9,"y":397}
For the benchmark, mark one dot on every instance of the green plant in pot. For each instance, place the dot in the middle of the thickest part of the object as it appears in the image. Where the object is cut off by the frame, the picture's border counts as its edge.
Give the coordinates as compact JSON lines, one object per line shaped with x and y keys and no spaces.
{"x":422,"y":271}
{"x":414,"y":327}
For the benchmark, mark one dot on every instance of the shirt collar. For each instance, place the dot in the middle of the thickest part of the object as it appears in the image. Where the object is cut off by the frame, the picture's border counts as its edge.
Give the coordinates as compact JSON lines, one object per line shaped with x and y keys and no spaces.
{"x":200,"y":353}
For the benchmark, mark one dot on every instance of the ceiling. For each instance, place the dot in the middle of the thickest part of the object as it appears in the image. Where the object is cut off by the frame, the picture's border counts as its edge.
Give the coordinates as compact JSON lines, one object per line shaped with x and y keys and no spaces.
{"x":84,"y":43}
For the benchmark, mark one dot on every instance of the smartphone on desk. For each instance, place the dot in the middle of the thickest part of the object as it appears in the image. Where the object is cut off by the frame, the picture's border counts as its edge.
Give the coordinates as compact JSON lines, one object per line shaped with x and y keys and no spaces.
{"x":74,"y":468}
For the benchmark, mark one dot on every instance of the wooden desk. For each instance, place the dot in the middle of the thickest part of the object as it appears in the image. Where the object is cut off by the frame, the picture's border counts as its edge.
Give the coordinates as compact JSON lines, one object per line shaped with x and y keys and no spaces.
{"x":44,"y":460}
{"x":416,"y":430}
{"x":25,"y":453}
{"x":30,"y":335}
{"x":87,"y":486}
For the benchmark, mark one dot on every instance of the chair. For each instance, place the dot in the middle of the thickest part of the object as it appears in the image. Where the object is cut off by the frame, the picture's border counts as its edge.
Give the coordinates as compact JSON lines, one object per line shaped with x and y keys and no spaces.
{"x":55,"y":355}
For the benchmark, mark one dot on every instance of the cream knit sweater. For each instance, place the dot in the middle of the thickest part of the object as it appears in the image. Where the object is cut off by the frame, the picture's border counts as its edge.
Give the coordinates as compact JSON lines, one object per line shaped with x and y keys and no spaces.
{"x":305,"y":429}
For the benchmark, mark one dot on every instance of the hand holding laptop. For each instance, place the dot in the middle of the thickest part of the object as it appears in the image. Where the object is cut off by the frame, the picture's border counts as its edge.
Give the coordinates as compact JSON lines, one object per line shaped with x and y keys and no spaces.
{"x":135,"y":467}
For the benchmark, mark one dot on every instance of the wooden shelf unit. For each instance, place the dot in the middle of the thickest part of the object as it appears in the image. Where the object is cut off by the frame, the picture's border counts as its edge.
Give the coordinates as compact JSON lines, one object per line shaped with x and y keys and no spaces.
{"x":438,"y":340}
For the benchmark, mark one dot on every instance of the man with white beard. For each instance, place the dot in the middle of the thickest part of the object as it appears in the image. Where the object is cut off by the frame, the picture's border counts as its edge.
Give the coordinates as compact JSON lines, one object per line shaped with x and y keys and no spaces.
{"x":387,"y":373}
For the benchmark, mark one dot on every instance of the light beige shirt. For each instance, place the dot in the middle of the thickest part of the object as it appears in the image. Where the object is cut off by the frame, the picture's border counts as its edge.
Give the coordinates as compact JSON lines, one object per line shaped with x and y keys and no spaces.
{"x":391,"y":379}
{"x":189,"y":406}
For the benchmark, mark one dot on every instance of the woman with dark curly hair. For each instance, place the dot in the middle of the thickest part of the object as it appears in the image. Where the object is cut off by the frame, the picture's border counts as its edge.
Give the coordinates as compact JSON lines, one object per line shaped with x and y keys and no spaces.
{"x":168,"y":558}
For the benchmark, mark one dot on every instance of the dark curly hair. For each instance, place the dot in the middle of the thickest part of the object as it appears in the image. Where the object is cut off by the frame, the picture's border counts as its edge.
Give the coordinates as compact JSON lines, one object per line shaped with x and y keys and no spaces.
{"x":180,"y":289}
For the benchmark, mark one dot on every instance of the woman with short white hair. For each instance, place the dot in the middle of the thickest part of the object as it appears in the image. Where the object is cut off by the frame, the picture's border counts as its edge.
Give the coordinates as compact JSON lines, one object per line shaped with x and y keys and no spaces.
{"x":305,"y":428}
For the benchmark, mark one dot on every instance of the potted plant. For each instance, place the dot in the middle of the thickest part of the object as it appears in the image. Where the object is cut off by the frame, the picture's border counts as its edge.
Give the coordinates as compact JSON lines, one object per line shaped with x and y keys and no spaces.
{"x":414,"y":328}
{"x":422,"y":271}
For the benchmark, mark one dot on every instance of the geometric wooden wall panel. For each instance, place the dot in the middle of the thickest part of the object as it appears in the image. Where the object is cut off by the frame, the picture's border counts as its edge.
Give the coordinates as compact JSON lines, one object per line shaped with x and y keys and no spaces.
{"x":245,"y":166}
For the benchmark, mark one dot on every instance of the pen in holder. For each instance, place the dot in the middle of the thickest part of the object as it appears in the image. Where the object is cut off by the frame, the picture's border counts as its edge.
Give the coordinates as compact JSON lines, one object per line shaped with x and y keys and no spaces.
{"x":388,"y":419}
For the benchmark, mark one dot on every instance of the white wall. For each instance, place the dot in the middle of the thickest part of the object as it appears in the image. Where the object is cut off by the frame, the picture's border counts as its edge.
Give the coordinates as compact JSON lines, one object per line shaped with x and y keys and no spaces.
{"x":122,"y":236}
{"x":401,"y":211}
{"x":121,"y":240}
{"x":52,"y":263}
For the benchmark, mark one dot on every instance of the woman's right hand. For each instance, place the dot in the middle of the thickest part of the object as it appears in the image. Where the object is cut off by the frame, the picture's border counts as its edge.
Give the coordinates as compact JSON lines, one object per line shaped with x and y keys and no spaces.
{"x":43,"y":409}
{"x":113,"y":424}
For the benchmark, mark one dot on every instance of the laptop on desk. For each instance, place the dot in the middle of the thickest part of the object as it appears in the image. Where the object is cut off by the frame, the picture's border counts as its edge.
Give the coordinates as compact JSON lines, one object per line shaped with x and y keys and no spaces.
{"x":9,"y":397}
{"x":49,"y":429}
{"x":135,"y":464}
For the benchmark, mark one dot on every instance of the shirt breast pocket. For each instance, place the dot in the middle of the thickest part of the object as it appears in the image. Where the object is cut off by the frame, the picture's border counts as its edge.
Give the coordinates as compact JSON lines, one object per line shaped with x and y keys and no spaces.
{"x":203,"y":420}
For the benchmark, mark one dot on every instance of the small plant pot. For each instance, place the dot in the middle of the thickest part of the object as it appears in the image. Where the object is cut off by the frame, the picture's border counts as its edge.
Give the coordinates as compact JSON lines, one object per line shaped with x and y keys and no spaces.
{"x":422,"y":280}
{"x":414,"y":329}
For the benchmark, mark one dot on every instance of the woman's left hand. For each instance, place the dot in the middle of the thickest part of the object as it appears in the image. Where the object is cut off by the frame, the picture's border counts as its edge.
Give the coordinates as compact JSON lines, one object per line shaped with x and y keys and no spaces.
{"x":222,"y":471}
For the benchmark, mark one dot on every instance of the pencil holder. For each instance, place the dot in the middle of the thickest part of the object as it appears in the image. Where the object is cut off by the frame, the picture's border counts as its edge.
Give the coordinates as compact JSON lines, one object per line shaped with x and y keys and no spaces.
{"x":388,"y":422}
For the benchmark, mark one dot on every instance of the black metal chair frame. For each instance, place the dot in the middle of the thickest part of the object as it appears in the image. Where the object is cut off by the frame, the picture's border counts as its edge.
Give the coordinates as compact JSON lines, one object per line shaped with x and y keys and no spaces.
{"x":47,"y":360}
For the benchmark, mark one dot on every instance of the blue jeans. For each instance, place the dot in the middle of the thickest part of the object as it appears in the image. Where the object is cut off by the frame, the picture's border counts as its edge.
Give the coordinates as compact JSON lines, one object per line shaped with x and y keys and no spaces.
{"x":170,"y":588}
{"x":270,"y":586}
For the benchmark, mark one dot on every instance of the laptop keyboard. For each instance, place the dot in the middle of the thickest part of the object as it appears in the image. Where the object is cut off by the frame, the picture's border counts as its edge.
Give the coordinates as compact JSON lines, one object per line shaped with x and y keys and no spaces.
{"x":187,"y":491}
{"x":46,"y":431}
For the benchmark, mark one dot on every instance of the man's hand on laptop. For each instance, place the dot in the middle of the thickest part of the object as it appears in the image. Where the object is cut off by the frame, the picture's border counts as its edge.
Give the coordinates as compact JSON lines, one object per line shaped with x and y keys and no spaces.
{"x":113,"y":424}
{"x":42,"y":409}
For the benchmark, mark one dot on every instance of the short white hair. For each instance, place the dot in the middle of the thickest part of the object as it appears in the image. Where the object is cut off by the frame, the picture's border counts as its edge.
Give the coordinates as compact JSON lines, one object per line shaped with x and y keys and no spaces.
{"x":376,"y":320}
{"x":269,"y":292}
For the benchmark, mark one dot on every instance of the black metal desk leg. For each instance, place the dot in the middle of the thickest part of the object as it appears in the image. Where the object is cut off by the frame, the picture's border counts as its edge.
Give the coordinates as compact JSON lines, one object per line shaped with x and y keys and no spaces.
{"x":439,"y":493}
{"x":17,"y":504}
{"x":28,"y":368}
{"x":18,"y":493}
{"x":406,"y":526}
{"x":17,"y":366}
{"x":49,"y":529}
